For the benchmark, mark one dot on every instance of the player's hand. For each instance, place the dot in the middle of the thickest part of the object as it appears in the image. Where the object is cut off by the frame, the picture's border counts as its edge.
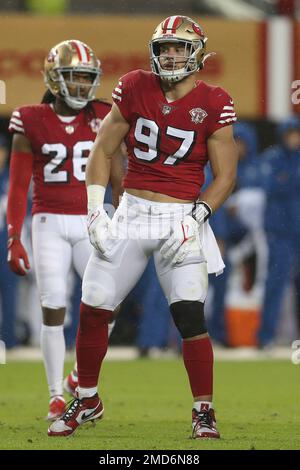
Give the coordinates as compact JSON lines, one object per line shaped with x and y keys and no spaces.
{"x":184,"y":239}
{"x":17,"y":257}
{"x":99,"y":225}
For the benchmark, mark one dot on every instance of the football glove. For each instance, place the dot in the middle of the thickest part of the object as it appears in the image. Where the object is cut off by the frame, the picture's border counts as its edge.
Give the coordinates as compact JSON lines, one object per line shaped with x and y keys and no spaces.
{"x":184,"y":239}
{"x":99,"y":225}
{"x":17,"y":257}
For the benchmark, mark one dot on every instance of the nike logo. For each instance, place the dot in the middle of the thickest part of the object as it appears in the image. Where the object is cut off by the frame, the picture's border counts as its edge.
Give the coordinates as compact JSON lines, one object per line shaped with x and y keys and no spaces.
{"x":93,"y":217}
{"x":87,"y":415}
{"x":185,"y":230}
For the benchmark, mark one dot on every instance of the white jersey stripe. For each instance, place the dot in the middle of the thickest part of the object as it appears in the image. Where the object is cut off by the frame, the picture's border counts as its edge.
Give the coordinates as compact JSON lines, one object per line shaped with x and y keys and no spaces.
{"x":223,"y":121}
{"x":229,"y":108}
{"x":16,"y":114}
{"x":120,"y":83}
{"x":16,"y":128}
{"x":119,"y":90}
{"x":227,"y":114}
{"x":17,"y":121}
{"x":116,"y":97}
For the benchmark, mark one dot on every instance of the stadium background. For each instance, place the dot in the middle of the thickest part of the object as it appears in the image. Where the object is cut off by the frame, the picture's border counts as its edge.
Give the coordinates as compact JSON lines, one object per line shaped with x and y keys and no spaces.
{"x":256,"y":44}
{"x":251,"y":61}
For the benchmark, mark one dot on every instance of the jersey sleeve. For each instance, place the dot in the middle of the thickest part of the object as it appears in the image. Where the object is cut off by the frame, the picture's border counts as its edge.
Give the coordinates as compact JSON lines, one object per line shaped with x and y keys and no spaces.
{"x":223,"y":112}
{"x":16,"y":123}
{"x":123,"y":94}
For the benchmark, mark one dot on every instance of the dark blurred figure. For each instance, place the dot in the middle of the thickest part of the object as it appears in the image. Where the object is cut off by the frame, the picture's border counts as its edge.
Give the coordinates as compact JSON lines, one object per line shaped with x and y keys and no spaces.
{"x":281,"y":181}
{"x":8,"y":281}
{"x":155,"y":320}
{"x":233,"y":228}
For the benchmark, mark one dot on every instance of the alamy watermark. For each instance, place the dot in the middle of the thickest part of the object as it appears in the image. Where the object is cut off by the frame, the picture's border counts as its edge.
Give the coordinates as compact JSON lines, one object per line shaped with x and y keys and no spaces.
{"x":2,"y":92}
{"x":2,"y":352}
{"x":295,"y":357}
{"x":295,"y":97}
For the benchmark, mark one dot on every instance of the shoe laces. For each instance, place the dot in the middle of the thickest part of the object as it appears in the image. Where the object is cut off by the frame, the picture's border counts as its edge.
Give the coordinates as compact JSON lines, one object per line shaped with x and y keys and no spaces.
{"x":72,"y":409}
{"x":203,"y":419}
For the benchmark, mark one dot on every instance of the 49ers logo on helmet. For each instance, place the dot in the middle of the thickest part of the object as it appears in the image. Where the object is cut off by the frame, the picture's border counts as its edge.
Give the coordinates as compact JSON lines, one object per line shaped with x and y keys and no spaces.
{"x":197,"y":29}
{"x":51,"y":56}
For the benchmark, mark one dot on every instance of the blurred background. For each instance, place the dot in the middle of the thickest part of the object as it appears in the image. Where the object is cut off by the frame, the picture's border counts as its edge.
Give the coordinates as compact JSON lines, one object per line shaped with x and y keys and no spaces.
{"x":256,"y":303}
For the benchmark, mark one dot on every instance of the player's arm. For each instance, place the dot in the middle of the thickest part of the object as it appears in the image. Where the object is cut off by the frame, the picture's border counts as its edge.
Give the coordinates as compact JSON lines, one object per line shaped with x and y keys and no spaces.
{"x":223,"y":157}
{"x":20,"y":173}
{"x":117,"y":173}
{"x":105,"y":149}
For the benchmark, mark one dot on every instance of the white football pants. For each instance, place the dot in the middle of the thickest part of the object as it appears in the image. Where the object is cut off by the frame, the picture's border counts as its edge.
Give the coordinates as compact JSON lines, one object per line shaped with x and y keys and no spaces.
{"x":59,"y":242}
{"x":141,"y":227}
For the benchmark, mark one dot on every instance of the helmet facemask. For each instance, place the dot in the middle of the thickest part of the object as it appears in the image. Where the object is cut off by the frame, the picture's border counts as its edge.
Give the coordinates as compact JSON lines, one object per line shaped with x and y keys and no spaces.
{"x":63,"y":77}
{"x":189,"y":57}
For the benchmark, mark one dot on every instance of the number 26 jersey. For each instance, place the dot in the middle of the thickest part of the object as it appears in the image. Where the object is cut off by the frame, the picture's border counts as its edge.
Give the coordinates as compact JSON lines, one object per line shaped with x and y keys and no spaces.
{"x":60,"y":149}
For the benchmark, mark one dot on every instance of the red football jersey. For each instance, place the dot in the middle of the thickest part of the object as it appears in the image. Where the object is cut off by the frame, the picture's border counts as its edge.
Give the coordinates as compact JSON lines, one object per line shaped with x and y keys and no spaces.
{"x":167,"y":142}
{"x":60,"y":151}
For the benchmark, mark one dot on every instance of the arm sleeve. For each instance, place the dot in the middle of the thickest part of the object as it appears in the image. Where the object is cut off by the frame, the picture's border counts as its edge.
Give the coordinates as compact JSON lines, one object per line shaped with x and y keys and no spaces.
{"x":223,"y":113}
{"x":20,"y":173}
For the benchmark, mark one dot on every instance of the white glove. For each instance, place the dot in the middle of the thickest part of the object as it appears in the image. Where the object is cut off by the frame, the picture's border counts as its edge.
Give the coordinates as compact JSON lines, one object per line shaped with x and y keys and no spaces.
{"x":99,"y":225}
{"x":184,"y":239}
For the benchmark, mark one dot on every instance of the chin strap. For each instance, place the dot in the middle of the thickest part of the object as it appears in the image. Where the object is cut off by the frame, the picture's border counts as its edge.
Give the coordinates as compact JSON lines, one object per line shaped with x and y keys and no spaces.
{"x":74,"y":104}
{"x":210,"y":54}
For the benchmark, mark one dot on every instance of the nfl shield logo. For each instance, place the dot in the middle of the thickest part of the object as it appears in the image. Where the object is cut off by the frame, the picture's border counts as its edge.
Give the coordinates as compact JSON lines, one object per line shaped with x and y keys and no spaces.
{"x":95,"y":124}
{"x":198,"y":115}
{"x":166,"y":109}
{"x":69,"y":129}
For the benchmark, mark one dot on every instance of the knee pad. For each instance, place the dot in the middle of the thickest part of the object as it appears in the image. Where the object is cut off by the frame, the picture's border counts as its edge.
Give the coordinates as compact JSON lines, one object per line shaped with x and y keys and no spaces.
{"x":94,"y":294}
{"x":189,"y":318}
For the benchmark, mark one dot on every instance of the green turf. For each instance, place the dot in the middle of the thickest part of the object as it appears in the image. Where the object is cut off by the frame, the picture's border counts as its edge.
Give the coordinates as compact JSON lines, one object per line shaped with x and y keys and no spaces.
{"x":148,"y":406}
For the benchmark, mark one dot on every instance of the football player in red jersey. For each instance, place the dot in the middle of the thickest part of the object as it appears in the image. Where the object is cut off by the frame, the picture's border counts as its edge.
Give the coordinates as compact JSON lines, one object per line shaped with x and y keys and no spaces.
{"x":173,"y":124}
{"x":51,"y":144}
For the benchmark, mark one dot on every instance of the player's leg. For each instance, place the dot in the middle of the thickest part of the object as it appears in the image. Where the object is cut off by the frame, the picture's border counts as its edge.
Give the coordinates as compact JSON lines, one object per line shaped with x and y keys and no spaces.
{"x":105,"y":285}
{"x":185,"y":287}
{"x":82,"y":250}
{"x":52,"y":260}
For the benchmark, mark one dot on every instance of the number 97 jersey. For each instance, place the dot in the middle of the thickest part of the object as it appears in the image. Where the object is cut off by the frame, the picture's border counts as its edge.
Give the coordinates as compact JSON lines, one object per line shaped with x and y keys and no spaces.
{"x":167,"y":141}
{"x":60,"y":148}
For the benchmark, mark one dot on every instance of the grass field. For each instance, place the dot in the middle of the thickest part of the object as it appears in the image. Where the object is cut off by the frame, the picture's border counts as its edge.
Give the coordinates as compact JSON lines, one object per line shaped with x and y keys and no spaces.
{"x":148,"y":406}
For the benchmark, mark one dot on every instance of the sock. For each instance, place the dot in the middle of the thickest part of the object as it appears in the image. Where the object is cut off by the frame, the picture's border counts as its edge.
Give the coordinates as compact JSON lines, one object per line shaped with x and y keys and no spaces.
{"x":202,"y":405}
{"x":53,"y":348}
{"x":74,"y":372}
{"x":86,"y":392}
{"x":198,"y":360}
{"x":91,"y":344}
